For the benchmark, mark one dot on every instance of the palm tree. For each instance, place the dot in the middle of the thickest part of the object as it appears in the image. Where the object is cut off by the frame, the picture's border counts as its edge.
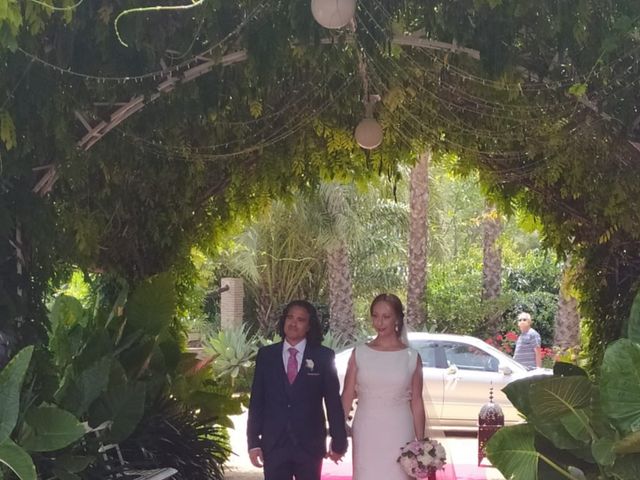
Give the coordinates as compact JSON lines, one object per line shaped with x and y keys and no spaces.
{"x":567,"y":321}
{"x":340,"y":216}
{"x":418,"y":236}
{"x":277,"y":260}
{"x":491,"y":263}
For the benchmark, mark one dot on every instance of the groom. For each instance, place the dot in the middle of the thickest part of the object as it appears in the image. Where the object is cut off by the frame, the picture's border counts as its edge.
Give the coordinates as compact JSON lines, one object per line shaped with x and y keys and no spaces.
{"x":286,"y":429}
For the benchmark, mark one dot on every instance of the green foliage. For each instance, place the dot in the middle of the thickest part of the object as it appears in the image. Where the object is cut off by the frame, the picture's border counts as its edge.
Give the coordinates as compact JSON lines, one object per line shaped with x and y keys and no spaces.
{"x":195,"y":385}
{"x":232,"y":353}
{"x":119,"y":358}
{"x":11,"y":378}
{"x":335,"y":342}
{"x":7,"y":130}
{"x":179,"y":170}
{"x":576,"y":428}
{"x":152,"y":305}
{"x":621,"y":398}
{"x":42,"y":428}
{"x":47,"y":428}
{"x":173,"y":437}
{"x":18,"y":460}
{"x":454,"y":293}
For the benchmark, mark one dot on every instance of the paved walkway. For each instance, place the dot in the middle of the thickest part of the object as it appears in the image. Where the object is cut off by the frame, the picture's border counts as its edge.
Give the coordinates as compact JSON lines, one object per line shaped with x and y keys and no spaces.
{"x":462,"y":453}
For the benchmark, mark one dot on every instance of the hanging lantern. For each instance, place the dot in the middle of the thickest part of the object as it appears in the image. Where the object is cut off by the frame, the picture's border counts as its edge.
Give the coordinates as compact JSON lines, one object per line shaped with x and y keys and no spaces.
{"x":333,"y":13}
{"x":369,"y":133}
{"x":490,"y":420}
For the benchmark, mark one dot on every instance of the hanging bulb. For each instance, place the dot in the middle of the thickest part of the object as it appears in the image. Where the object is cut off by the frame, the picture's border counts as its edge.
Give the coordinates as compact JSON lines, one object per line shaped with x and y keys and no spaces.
{"x":369,"y":133}
{"x":333,"y":13}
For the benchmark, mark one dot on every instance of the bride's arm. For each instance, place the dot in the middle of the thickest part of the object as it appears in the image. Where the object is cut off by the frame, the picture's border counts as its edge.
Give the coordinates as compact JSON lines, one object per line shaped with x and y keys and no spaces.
{"x":349,"y":389}
{"x":417,"y":404}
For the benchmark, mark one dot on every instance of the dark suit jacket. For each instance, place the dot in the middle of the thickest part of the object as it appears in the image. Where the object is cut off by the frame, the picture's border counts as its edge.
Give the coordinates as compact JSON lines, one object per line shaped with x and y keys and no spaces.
{"x":278,"y":409}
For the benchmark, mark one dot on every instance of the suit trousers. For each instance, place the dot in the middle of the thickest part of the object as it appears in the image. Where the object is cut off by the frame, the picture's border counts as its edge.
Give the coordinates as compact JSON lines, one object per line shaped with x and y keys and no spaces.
{"x":287,"y":461}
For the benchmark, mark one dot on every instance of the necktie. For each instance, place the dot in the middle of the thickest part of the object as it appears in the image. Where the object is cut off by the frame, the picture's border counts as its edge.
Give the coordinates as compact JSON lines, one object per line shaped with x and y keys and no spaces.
{"x":292,"y":365}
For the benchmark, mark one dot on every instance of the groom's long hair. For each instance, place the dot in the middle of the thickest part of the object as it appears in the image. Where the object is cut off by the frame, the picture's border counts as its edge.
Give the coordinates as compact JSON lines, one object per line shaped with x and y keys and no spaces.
{"x":314,"y":335}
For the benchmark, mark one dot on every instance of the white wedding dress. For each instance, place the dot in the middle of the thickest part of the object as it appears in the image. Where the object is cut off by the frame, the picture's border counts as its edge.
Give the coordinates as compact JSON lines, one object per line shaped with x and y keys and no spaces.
{"x":383,"y":420}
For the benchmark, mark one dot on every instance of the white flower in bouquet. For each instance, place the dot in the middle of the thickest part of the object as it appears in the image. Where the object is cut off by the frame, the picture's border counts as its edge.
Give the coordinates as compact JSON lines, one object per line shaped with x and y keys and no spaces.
{"x":419,"y":457}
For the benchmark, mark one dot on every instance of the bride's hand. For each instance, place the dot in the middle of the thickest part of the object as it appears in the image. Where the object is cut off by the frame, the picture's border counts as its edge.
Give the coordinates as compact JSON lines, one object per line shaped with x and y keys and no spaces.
{"x":335,"y":457}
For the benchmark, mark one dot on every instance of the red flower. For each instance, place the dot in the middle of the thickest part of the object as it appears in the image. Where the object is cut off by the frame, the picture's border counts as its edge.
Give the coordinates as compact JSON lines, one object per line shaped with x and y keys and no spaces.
{"x":512,"y":337}
{"x":499,"y":337}
{"x":507,"y":348}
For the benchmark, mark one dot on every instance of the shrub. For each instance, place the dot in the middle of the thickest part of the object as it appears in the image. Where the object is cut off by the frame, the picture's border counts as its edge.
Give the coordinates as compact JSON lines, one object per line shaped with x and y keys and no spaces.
{"x":173,"y":436}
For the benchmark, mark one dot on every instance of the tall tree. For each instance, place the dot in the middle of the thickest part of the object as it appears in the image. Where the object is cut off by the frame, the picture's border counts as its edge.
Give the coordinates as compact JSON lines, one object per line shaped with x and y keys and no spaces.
{"x":418,"y":237}
{"x":338,"y":265}
{"x":567,"y":321}
{"x":491,"y":263}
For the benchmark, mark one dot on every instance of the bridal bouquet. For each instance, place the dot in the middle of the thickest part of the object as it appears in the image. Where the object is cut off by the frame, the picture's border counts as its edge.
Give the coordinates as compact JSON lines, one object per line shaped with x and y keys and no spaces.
{"x":421,"y":458}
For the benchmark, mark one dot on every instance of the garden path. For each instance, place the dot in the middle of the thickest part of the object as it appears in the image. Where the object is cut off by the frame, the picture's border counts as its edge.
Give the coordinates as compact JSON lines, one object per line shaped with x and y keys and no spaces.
{"x":461,"y":450}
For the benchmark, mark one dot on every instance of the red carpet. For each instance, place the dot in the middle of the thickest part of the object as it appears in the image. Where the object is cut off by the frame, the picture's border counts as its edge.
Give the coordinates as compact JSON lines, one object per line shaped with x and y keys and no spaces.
{"x":331,"y":471}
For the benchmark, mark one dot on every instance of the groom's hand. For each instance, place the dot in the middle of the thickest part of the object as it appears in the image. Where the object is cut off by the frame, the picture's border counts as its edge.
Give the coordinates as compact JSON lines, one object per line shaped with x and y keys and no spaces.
{"x":255,"y":455}
{"x":335,"y":457}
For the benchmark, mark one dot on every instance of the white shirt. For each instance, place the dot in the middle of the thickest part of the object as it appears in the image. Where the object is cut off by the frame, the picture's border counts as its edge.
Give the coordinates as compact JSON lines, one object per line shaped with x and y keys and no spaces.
{"x":285,"y":352}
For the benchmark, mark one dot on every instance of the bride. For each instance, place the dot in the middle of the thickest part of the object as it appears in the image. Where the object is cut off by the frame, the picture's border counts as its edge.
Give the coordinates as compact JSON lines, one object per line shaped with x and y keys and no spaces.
{"x":385,"y":375}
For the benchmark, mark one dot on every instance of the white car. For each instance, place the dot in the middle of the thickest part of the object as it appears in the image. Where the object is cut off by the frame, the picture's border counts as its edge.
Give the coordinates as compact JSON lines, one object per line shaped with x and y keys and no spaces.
{"x":458,"y":372}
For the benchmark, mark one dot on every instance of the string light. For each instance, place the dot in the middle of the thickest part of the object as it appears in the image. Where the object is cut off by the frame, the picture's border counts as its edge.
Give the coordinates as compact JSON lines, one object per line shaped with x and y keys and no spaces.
{"x":161,"y":73}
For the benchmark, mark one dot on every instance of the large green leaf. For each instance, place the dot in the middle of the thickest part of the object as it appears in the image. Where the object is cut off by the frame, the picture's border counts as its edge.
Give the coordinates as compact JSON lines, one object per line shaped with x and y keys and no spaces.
{"x":124,"y":406}
{"x":78,"y":391}
{"x":518,"y":393}
{"x":512,"y":450}
{"x":49,"y":428}
{"x":620,"y":384}
{"x":17,"y":460}
{"x":555,"y":432}
{"x":66,"y":312}
{"x":152,"y":305}
{"x":11,"y":378}
{"x":578,"y":424}
{"x":603,"y":452}
{"x":553,"y":397}
{"x":633,"y":327}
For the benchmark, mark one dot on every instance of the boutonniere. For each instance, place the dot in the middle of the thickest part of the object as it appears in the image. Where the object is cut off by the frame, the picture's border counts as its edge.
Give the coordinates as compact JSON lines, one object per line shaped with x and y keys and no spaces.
{"x":309,"y":363}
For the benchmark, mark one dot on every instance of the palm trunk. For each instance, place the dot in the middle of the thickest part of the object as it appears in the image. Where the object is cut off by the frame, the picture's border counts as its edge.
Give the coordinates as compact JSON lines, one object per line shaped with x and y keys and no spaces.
{"x":418,"y":236}
{"x":340,"y":291}
{"x":338,"y":266}
{"x":491,"y":265}
{"x":567,"y":320}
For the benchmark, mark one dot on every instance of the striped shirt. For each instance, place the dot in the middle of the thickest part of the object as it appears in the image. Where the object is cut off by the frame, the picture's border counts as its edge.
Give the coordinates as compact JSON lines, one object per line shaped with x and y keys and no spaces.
{"x":526,"y":345}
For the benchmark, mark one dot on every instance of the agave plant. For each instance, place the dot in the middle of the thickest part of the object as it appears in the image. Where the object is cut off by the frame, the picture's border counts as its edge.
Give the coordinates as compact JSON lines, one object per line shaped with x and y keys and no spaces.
{"x":232,"y":350}
{"x":336,"y":341}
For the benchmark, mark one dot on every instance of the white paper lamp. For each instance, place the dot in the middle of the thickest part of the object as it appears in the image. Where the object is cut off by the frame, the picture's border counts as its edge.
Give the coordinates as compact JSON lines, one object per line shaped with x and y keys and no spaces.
{"x":333,"y":13}
{"x":369,"y":133}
